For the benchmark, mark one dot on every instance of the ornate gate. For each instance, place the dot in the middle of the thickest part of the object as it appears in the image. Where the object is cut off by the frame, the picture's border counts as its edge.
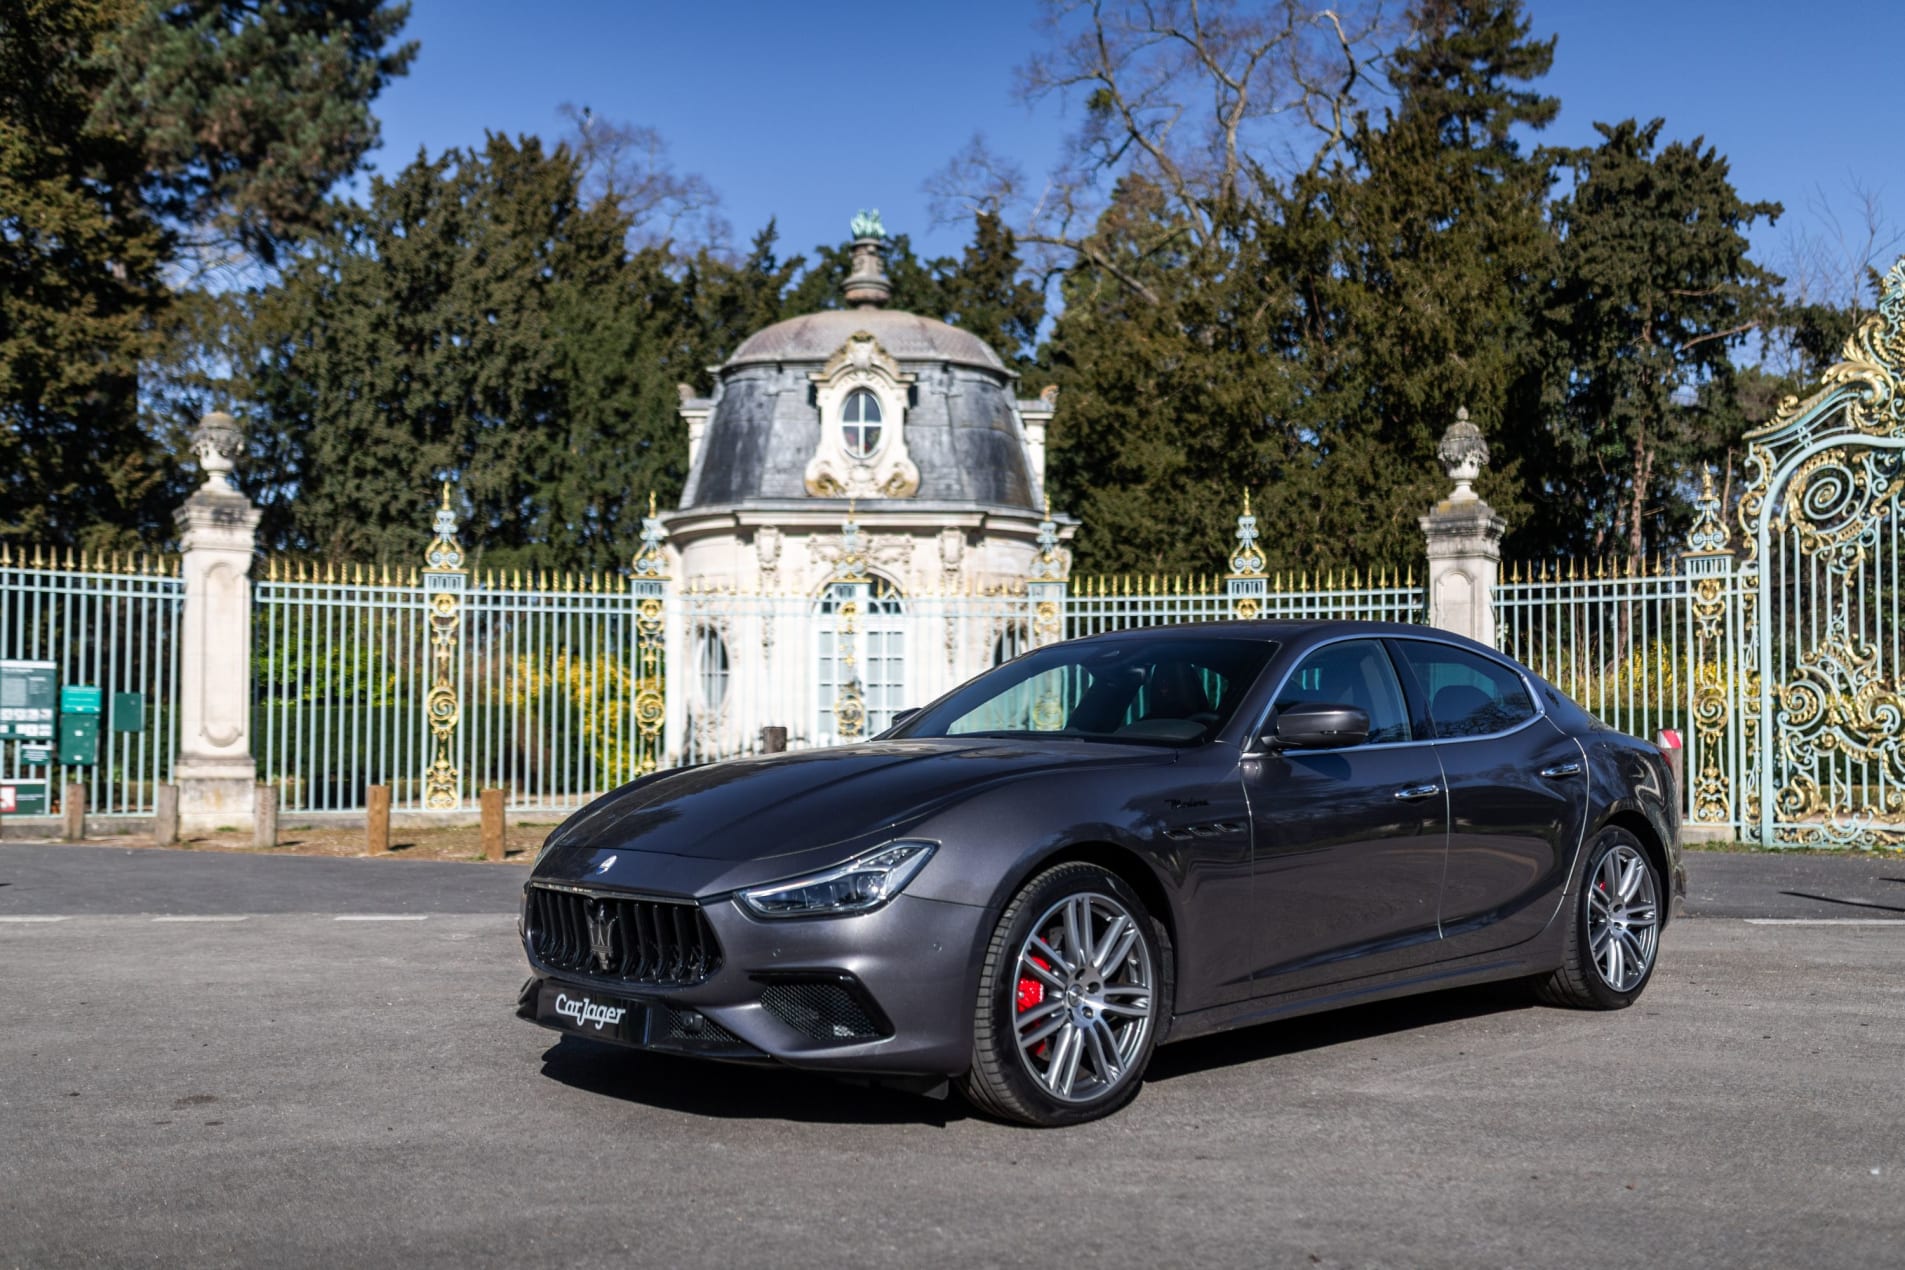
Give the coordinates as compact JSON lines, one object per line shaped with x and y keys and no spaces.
{"x":1818,"y":707}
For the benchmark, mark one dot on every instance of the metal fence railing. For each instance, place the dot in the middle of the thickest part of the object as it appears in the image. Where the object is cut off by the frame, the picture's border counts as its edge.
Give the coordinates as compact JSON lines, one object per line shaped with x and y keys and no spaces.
{"x":110,"y":621}
{"x":1620,"y":644}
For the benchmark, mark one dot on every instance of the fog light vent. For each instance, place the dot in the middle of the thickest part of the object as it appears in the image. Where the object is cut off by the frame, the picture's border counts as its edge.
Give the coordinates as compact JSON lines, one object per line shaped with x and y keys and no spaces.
{"x":692,"y":1025}
{"x":824,"y":1010}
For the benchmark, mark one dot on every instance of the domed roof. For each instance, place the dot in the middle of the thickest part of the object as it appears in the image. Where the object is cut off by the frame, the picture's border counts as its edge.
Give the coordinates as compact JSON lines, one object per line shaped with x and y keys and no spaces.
{"x":907,"y":337}
{"x":961,"y":427}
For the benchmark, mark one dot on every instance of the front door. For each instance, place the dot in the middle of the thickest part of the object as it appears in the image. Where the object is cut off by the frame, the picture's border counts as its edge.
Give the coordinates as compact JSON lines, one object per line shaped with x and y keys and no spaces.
{"x":1348,"y":843}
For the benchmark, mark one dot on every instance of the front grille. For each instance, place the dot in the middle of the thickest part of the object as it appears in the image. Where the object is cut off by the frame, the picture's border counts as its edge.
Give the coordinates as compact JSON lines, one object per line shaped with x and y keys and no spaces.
{"x":824,"y":1010}
{"x":655,"y":942}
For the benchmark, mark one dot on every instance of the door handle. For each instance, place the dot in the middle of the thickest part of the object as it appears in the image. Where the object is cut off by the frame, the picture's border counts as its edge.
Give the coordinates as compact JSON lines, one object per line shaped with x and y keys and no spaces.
{"x":1556,"y":770}
{"x":1410,"y":793}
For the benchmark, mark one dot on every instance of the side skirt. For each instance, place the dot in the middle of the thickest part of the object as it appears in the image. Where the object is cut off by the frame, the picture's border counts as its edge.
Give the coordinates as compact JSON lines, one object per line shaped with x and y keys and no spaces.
{"x":1482,"y":968}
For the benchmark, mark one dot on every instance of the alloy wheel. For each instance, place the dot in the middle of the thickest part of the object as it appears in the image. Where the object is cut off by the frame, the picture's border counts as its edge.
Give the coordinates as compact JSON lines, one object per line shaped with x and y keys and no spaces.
{"x":1623,"y":918}
{"x":1084,"y":1000}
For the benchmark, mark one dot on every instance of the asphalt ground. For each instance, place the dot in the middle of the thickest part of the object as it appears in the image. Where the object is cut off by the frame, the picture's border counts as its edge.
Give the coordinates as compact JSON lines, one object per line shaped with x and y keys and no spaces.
{"x":296,"y":1089}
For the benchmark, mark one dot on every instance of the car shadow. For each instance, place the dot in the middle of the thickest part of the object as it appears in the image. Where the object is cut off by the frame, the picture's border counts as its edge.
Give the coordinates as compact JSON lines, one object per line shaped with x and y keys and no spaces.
{"x":1336,"y":1027}
{"x":734,"y":1091}
{"x":737,"y":1092}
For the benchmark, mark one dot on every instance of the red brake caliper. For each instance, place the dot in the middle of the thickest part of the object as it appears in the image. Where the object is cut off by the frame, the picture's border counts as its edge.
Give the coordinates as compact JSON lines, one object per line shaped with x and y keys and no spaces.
{"x":1031,"y":994}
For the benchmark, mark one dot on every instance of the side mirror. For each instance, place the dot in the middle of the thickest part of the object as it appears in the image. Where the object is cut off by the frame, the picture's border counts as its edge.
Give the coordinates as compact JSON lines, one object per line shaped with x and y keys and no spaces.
{"x":1315,"y":725}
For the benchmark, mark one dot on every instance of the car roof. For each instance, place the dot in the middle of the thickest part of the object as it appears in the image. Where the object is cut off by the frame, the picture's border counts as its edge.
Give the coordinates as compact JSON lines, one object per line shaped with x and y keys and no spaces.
{"x":1289,"y":631}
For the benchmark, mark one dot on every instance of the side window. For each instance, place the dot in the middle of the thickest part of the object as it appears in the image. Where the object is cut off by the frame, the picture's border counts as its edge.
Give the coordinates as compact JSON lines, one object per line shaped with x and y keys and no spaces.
{"x":1353,"y":673}
{"x":1468,"y":695}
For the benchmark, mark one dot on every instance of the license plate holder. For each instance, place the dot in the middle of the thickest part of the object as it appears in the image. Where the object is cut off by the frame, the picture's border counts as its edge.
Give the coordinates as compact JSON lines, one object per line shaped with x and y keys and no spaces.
{"x":596,"y":1015}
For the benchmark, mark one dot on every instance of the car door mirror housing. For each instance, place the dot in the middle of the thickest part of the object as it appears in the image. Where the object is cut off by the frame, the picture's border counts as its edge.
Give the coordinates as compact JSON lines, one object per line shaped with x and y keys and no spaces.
{"x":1317,"y":725}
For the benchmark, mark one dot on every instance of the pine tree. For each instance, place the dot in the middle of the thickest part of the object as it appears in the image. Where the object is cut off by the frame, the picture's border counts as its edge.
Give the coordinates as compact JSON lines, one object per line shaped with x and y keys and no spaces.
{"x":1655,"y":286}
{"x":1420,"y":260}
{"x":475,"y":322}
{"x":137,"y":137}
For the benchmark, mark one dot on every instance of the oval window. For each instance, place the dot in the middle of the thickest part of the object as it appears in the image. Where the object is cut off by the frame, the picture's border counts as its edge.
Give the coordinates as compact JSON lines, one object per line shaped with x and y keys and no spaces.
{"x":860,"y":423}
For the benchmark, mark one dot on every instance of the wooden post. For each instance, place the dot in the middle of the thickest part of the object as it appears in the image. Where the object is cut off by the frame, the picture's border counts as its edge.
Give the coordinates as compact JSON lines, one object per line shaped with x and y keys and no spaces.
{"x":377,"y":819}
{"x":73,"y":808}
{"x":492,"y":803}
{"x":165,"y":817}
{"x":773,"y":740}
{"x":264,"y":817}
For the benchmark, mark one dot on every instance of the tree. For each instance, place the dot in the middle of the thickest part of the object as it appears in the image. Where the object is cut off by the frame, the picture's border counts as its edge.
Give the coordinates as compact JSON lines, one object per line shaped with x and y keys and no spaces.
{"x":1312,"y":344}
{"x":81,"y":258}
{"x":1171,"y":403}
{"x":137,"y":137}
{"x":1420,"y":256}
{"x":474,"y":322}
{"x":1655,"y":287}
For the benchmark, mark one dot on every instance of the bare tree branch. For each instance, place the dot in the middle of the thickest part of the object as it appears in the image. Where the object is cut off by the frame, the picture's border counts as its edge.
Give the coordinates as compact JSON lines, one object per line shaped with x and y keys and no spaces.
{"x":1206,"y":100}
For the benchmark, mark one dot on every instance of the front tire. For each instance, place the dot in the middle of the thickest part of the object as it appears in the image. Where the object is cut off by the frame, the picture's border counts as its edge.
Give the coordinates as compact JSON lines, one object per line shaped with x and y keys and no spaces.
{"x":1613,"y":937}
{"x":1071,"y":995}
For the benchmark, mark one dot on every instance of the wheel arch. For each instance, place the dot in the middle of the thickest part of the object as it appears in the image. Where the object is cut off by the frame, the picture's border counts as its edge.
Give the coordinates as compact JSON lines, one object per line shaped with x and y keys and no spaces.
{"x":1128,"y":866}
{"x":1634,"y":821}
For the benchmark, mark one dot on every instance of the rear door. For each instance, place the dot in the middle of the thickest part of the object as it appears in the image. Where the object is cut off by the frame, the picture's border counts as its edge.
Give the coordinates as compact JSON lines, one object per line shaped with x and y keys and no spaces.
{"x":1517,"y":790}
{"x":1348,"y":843}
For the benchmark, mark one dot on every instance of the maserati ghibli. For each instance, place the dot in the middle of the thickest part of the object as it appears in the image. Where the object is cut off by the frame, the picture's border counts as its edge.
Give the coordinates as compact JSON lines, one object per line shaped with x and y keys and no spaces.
{"x":1108,"y":844}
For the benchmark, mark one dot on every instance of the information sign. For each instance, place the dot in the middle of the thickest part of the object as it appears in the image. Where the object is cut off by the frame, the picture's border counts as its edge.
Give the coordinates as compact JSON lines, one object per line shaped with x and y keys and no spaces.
{"x":28,"y":693}
{"x":35,"y":755}
{"x":79,"y":699}
{"x":22,"y":798}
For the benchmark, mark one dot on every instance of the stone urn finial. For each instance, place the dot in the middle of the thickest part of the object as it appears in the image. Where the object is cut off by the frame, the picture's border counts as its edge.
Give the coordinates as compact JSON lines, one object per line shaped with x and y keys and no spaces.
{"x":1464,"y":454}
{"x":218,"y":441}
{"x":867,"y":284}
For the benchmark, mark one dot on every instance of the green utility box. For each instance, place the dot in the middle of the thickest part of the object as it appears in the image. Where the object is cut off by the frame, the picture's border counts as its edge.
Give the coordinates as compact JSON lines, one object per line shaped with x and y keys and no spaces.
{"x":22,"y":798}
{"x":128,"y":712}
{"x":79,"y":699}
{"x":79,"y":739}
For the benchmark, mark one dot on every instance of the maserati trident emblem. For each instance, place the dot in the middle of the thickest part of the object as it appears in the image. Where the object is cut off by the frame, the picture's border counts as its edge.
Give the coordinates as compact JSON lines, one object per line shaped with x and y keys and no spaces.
{"x":606,"y":865}
{"x":601,"y":935}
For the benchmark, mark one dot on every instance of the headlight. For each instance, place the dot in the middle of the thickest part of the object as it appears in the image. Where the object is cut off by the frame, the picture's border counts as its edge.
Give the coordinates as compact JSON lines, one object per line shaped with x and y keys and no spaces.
{"x":858,"y":886}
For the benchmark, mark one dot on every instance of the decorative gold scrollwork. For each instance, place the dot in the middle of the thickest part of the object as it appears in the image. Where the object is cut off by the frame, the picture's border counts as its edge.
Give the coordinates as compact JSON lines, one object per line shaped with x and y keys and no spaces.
{"x":444,"y":579}
{"x":1837,"y":504}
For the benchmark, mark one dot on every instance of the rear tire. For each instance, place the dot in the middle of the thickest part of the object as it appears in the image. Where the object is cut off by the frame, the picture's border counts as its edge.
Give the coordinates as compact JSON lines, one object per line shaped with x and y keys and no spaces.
{"x":1613,"y":935}
{"x":1073,"y":989}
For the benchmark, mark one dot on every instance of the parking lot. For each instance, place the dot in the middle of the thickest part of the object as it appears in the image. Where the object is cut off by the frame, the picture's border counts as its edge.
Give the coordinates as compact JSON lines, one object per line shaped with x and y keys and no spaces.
{"x":232,"y":1060}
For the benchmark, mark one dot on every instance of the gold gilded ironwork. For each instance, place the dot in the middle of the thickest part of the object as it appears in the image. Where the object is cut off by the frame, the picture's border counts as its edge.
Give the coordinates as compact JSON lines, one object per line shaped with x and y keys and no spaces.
{"x":849,"y":704}
{"x":444,"y":579}
{"x":1248,"y":560}
{"x":1822,"y":732}
{"x":650,"y":571}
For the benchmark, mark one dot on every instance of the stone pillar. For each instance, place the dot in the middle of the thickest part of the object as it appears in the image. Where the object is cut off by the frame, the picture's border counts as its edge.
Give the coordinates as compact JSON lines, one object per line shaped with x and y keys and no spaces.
{"x":1464,"y":540}
{"x":216,"y":774}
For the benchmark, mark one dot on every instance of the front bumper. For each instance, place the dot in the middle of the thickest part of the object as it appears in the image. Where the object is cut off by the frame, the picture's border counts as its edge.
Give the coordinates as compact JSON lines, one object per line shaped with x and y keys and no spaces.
{"x":911,"y":967}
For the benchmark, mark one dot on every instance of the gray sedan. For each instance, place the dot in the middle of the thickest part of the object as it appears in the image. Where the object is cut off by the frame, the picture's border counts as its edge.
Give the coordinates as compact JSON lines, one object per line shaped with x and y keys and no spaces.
{"x":1108,"y":844}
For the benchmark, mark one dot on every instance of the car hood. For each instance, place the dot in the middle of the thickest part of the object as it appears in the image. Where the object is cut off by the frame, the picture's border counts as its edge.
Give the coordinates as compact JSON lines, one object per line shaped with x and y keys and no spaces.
{"x":787,"y":804}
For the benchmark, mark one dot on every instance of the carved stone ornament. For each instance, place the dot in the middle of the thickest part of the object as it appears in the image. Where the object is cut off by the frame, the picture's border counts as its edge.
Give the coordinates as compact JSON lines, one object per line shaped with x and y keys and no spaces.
{"x":218,"y":441}
{"x":837,"y":472}
{"x":1464,"y":454}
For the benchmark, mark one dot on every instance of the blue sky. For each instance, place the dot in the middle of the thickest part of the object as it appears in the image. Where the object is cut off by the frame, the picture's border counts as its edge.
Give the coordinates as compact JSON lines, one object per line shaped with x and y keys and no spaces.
{"x":806,"y":112}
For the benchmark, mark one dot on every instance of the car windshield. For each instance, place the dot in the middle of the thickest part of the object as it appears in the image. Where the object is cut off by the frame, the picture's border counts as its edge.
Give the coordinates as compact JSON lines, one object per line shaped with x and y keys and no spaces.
{"x":1156,"y":691}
